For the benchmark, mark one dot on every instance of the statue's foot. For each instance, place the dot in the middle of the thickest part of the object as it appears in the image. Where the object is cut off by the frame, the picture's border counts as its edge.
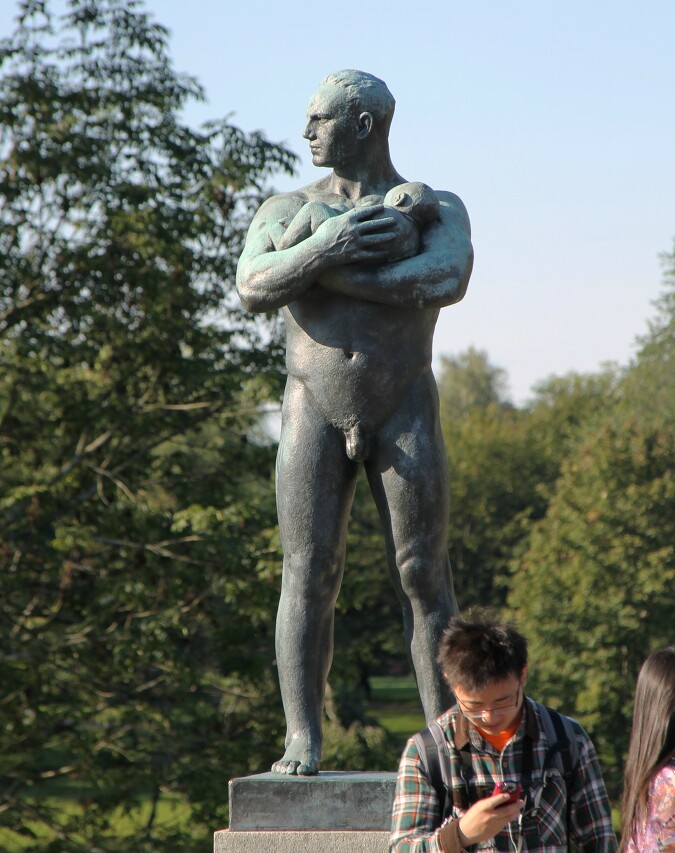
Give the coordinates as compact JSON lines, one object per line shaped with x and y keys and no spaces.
{"x":300,"y":759}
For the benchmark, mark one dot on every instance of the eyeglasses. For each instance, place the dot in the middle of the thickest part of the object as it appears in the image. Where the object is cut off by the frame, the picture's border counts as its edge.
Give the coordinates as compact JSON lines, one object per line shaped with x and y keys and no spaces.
{"x":506,"y":705}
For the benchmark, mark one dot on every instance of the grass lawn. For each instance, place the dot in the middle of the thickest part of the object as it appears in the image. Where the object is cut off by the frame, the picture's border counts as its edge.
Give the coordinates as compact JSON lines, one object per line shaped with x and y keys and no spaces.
{"x":171,"y":812}
{"x":395,"y":704}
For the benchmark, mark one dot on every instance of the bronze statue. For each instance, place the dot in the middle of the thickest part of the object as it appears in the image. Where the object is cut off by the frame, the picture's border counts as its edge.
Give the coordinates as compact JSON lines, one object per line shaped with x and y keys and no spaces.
{"x":359,"y":330}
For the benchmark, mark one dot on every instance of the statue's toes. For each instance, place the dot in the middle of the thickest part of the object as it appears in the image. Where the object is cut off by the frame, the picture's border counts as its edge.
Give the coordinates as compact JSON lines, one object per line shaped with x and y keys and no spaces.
{"x":286,"y":767}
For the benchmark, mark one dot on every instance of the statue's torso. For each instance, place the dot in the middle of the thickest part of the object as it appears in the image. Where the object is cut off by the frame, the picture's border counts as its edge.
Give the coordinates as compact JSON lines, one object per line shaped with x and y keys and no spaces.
{"x":356,"y":358}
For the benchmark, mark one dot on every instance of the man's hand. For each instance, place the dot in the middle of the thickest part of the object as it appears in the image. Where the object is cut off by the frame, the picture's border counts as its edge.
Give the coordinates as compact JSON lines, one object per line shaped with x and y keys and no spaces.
{"x":357,"y":236}
{"x":437,"y":276}
{"x":487,"y":817}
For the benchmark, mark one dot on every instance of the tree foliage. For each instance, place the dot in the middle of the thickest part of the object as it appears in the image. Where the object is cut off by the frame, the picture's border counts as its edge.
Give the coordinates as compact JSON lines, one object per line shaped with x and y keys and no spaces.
{"x":594,"y":588}
{"x":468,"y":381}
{"x":503,"y":463}
{"x":135,"y":500}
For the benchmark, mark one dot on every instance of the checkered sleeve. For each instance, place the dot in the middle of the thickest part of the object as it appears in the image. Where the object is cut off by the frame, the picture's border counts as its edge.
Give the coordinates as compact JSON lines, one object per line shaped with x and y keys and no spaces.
{"x":590,"y":820}
{"x":416,"y":812}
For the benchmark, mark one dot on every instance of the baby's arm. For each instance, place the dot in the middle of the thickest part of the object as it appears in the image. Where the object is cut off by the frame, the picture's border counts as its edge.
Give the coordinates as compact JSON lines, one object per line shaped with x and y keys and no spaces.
{"x":304,"y":223}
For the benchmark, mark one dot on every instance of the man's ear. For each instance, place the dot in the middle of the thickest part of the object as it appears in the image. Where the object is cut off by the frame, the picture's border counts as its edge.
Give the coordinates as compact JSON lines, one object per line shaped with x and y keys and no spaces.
{"x":364,"y":125}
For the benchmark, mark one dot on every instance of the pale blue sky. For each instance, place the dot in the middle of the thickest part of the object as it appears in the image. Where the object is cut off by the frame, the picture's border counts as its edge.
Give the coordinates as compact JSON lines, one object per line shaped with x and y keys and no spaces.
{"x":554,"y":122}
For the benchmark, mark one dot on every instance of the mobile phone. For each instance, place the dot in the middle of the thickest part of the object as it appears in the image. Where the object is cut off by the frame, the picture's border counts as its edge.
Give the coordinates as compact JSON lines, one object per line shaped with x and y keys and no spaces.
{"x":513,"y":789}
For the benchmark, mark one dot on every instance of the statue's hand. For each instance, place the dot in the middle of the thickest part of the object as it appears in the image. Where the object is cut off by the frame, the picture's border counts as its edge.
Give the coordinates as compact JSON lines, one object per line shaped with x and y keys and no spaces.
{"x":360,"y":235}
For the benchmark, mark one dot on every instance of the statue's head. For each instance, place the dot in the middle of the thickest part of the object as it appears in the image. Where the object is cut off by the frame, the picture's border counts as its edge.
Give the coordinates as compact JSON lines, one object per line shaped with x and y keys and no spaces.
{"x":349,"y":110}
{"x":416,"y":200}
{"x":365,"y":93}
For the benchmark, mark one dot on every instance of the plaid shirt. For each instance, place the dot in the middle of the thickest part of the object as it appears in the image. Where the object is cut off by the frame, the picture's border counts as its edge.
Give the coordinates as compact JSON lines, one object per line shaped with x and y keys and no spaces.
{"x":416,"y":815}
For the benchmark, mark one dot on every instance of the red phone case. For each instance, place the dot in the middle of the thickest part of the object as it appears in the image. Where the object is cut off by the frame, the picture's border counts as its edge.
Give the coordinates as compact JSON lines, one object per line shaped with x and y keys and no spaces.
{"x":507,"y":788}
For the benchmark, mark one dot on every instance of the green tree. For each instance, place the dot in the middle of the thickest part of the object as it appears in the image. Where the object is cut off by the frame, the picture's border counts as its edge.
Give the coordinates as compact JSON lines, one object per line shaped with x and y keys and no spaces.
{"x":648,"y":386}
{"x":562,"y":409}
{"x":503,"y":463}
{"x":494,"y":474}
{"x":138,"y":557}
{"x":593,"y":589}
{"x":469,"y":381}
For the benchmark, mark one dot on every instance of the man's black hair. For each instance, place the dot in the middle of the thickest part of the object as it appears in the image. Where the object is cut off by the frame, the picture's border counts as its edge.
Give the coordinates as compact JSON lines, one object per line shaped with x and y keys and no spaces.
{"x":474,"y":654}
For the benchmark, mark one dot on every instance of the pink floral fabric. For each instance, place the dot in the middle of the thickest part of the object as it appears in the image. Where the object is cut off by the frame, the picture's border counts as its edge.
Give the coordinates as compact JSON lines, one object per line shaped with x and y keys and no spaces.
{"x":658,"y":835}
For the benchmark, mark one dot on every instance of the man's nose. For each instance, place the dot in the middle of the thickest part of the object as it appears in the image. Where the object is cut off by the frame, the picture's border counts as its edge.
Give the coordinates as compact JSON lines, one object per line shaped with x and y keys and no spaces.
{"x":309,"y":131}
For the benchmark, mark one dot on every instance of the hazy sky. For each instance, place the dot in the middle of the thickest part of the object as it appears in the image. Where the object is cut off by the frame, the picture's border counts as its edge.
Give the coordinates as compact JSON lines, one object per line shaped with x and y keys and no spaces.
{"x":554,"y":123}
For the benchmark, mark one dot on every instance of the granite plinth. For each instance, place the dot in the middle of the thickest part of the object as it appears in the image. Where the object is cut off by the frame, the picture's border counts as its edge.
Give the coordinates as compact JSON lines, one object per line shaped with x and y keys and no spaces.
{"x":226,"y":841}
{"x":335,"y":801}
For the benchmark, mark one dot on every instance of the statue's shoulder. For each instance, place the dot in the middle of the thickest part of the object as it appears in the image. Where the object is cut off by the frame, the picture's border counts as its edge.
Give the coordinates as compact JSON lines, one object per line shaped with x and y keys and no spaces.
{"x":286,"y":205}
{"x":453,"y":209}
{"x":282,"y":205}
{"x":449,"y":199}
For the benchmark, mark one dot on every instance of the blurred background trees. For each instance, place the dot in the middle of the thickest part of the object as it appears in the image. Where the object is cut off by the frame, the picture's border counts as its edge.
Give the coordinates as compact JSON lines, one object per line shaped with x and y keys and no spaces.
{"x":136,"y":501}
{"x":594,"y":584}
{"x":139,"y":560}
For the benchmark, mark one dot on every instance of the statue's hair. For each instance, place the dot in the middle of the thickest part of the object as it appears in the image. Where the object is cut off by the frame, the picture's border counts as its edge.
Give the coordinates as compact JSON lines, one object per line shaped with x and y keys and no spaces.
{"x":365,"y":92}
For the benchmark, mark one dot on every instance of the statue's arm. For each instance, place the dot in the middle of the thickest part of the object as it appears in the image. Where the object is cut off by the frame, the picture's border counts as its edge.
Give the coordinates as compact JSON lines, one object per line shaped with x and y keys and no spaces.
{"x":268,"y":278}
{"x":437,"y":276}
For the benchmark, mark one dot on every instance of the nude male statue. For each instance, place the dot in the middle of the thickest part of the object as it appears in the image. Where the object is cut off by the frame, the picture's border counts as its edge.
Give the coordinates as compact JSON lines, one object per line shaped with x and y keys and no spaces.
{"x":359,"y":331}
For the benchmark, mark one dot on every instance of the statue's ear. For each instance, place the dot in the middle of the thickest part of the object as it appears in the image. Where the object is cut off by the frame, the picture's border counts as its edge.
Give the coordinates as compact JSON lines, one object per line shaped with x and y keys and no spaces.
{"x":402,"y":200}
{"x":364,"y":126}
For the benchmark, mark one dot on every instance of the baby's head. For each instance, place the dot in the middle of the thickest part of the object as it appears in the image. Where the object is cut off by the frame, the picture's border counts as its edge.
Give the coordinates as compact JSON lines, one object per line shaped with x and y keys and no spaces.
{"x":416,"y":199}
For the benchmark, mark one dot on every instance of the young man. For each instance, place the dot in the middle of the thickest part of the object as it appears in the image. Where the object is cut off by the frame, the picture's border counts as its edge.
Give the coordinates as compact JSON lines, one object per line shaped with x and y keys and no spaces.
{"x":495,"y":733}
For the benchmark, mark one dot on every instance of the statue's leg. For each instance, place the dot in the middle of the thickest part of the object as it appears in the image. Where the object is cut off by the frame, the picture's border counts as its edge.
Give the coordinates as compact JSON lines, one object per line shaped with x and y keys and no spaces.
{"x":315,"y":487}
{"x":408,"y":477}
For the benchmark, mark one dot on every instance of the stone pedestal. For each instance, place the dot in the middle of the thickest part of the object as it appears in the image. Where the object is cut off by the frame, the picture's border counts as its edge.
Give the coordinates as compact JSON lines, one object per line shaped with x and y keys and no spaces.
{"x":332,"y":812}
{"x":227,"y":841}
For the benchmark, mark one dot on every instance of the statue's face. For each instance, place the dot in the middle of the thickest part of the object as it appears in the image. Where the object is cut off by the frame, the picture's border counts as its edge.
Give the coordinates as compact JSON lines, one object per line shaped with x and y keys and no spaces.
{"x":331,"y":127}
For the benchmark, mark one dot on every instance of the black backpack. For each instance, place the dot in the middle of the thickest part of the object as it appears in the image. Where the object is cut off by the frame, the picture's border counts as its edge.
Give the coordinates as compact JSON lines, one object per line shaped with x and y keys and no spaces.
{"x":435,"y":758}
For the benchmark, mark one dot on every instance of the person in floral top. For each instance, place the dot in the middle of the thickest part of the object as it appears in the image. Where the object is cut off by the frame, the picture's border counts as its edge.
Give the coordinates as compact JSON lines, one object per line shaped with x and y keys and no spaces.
{"x":648,"y":801}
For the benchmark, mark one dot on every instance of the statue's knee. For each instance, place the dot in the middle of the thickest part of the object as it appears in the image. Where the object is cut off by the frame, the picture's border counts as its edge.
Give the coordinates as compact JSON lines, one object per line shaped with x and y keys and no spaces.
{"x":311,"y":576}
{"x":412,"y":575}
{"x":420,"y":579}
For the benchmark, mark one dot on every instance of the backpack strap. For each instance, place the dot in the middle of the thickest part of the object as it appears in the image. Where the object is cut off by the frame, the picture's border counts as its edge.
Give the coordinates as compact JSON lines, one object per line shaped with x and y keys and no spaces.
{"x":563,"y":748}
{"x":433,"y":752}
{"x":568,"y":748}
